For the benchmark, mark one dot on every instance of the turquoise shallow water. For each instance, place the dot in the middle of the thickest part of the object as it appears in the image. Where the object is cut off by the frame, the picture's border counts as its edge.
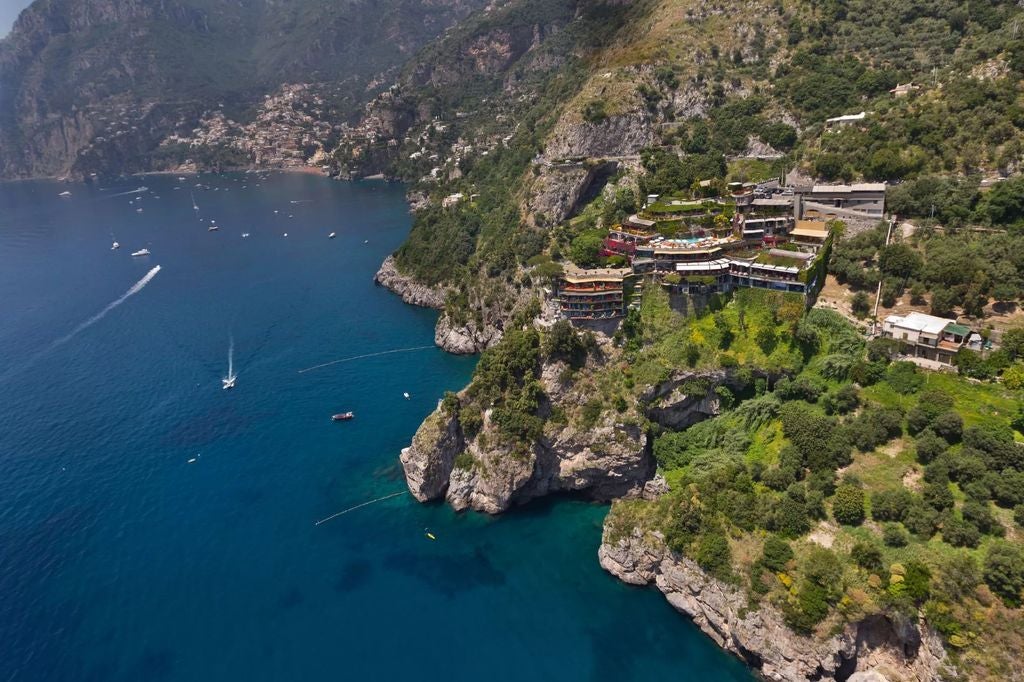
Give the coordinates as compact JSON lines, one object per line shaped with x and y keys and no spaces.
{"x":120,"y":560}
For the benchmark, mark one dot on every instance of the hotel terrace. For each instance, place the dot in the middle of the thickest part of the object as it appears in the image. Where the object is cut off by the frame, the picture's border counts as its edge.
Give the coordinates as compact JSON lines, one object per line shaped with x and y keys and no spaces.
{"x":595,"y":294}
{"x":760,"y":245}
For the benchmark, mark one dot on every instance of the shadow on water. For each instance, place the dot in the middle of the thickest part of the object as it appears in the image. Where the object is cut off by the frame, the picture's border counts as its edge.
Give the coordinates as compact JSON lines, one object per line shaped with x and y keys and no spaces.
{"x":290,"y":600}
{"x":354,"y":575}
{"x":450,"y":573}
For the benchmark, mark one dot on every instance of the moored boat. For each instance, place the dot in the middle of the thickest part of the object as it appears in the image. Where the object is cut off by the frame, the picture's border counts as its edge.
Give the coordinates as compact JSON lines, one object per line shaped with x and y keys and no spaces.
{"x":141,"y":252}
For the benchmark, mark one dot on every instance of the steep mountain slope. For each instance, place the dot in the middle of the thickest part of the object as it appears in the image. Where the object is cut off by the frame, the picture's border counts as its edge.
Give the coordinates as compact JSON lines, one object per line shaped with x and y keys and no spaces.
{"x":71,"y":71}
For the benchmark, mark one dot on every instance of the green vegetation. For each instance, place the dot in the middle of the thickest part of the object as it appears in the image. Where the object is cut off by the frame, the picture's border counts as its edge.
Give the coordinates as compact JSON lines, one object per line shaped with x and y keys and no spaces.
{"x":931,"y":475}
{"x":965,"y":271}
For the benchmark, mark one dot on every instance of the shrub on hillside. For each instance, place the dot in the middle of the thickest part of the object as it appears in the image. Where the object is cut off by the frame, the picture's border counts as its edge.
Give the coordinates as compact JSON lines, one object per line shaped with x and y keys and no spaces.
{"x":848,"y":505}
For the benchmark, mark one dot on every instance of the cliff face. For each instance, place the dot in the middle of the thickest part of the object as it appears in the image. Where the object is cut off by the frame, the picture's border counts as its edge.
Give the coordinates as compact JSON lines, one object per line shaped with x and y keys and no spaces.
{"x":881,"y":647}
{"x":458,"y":338}
{"x":409,"y":289}
{"x":79,"y":78}
{"x":606,"y":459}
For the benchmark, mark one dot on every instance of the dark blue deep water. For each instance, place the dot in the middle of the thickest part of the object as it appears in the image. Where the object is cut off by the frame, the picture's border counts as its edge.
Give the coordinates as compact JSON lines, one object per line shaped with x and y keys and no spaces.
{"x":120,"y":560}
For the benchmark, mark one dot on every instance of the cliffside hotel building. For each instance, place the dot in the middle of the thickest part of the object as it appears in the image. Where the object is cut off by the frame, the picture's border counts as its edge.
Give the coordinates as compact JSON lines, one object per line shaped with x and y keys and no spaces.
{"x":597,"y":294}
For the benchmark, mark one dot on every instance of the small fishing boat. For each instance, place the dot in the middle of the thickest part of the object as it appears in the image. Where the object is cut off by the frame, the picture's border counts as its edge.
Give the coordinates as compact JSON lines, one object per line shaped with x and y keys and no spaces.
{"x":406,"y":394}
{"x":342,"y":417}
{"x":212,"y":228}
{"x":115,"y":246}
{"x":141,"y":252}
{"x":331,"y":235}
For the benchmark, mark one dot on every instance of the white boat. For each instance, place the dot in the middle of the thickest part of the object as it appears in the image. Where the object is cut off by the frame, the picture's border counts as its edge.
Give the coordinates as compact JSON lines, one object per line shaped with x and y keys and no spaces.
{"x":195,"y":206}
{"x":406,"y":394}
{"x":285,"y":234}
{"x":244,"y":235}
{"x":115,"y":246}
{"x":138,"y":210}
{"x":229,"y":381}
{"x":65,"y":193}
{"x":141,"y":252}
{"x":212,"y":228}
{"x":331,"y":235}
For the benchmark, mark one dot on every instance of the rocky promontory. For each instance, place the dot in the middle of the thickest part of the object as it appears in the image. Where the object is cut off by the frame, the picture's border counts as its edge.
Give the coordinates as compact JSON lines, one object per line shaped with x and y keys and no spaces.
{"x":407,"y":287}
{"x":880,"y":647}
{"x":605,"y":456}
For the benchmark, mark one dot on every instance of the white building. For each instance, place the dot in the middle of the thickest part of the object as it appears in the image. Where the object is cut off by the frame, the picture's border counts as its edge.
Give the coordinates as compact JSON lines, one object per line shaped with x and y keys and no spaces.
{"x":926,"y":336}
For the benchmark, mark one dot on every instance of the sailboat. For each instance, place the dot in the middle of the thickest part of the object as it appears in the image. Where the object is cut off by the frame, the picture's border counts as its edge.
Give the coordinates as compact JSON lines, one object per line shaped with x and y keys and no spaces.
{"x":229,"y":380}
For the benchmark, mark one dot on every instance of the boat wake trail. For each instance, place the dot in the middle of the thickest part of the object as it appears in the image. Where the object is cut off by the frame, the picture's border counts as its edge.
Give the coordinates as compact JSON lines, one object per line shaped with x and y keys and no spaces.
{"x":136,"y":288}
{"x":367,"y":355}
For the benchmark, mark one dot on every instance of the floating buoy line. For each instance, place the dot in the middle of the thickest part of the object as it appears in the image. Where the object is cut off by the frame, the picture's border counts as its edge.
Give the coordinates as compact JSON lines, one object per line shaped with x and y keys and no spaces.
{"x":364,"y":504}
{"x":367,"y":355}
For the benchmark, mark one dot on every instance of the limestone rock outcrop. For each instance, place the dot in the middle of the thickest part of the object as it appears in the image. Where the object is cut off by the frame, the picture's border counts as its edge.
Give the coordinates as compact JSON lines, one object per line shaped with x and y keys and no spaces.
{"x":407,"y":287}
{"x":880,"y":647}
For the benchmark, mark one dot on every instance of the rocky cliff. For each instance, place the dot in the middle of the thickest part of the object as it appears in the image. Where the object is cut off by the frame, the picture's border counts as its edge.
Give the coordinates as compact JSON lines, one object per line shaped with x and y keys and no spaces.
{"x":409,"y":289}
{"x":881,"y":647}
{"x":463,"y":338}
{"x":486,"y":472}
{"x":607,"y":458}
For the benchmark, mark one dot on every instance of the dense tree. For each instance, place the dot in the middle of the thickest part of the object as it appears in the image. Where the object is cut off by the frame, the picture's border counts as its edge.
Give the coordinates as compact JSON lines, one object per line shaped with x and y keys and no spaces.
{"x":895,"y":535}
{"x":929,"y":446}
{"x":714,"y":556}
{"x":867,"y":556}
{"x":938,"y":496}
{"x":1004,"y":572}
{"x":776,"y":554}
{"x":890,"y":505}
{"x":899,"y":260}
{"x":960,"y":533}
{"x":860,"y":305}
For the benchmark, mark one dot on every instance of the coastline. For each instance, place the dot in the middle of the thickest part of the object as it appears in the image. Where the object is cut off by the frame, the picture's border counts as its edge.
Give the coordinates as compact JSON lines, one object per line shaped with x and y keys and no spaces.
{"x":303,"y":170}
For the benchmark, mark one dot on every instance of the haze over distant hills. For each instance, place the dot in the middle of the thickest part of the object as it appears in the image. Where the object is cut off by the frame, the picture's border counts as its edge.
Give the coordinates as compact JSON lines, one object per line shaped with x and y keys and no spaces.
{"x":9,"y":10}
{"x":136,"y":70}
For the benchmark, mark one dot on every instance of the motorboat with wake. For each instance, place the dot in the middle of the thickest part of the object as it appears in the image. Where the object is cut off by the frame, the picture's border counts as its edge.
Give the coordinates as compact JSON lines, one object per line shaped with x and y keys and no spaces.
{"x":228,"y":382}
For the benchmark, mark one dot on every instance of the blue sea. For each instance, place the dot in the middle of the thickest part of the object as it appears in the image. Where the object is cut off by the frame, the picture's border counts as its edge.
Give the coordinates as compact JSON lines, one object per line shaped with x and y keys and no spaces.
{"x":156,"y":527}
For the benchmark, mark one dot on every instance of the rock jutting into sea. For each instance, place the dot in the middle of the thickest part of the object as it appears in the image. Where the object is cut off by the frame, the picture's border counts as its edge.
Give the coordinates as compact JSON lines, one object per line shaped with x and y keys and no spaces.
{"x":881,"y":647}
